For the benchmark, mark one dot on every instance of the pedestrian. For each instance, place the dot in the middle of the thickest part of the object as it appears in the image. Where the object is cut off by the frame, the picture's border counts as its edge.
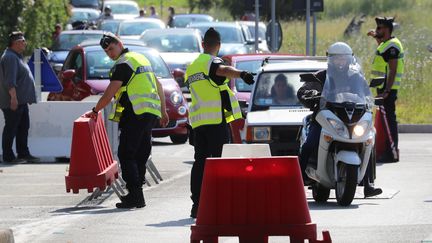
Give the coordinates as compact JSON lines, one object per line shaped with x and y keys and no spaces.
{"x":55,"y":34}
{"x":139,"y":103}
{"x":17,"y":91}
{"x":153,"y":13}
{"x":107,"y":14}
{"x":388,"y":63}
{"x":213,"y":106}
{"x":171,"y":13}
{"x":340,"y":57}
{"x":142,"y":13}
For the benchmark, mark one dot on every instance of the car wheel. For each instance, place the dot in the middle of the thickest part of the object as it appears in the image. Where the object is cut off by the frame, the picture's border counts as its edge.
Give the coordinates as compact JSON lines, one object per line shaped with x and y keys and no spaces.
{"x":178,"y":139}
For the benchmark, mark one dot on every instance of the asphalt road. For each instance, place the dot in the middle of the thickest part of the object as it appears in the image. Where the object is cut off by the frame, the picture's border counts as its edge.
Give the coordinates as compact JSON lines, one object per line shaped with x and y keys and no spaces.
{"x":35,"y":205}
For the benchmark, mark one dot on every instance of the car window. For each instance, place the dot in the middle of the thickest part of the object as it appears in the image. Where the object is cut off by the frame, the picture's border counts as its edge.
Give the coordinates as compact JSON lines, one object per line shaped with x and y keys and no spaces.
{"x":136,"y":28}
{"x":171,"y":42}
{"x":84,"y":15}
{"x":121,"y":8}
{"x":65,"y":42}
{"x":261,"y":32}
{"x":228,"y":34}
{"x":251,"y":66}
{"x":277,"y":89}
{"x":183,"y":21}
{"x":74,"y":61}
{"x":99,"y":64}
{"x":110,"y":26}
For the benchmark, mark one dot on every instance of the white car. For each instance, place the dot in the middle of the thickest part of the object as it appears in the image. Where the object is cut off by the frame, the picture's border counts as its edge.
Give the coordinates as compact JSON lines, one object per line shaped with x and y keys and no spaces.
{"x":133,"y":28}
{"x":123,"y":9}
{"x":275,"y":114}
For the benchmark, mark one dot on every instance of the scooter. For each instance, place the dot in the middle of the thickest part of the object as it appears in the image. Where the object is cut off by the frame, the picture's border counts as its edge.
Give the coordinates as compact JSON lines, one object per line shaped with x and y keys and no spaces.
{"x":347,"y":139}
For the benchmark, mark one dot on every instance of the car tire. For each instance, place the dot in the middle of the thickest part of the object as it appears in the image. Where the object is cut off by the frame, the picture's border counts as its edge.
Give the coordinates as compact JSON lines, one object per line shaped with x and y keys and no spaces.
{"x":179,"y":139}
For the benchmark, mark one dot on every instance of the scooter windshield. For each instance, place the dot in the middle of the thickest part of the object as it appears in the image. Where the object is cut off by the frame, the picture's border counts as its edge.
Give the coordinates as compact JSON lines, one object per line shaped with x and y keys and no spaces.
{"x":345,"y":83}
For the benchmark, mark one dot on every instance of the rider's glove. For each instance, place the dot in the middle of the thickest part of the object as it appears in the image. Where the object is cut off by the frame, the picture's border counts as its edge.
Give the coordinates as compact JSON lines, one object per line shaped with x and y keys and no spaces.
{"x":247,"y":77}
{"x":311,"y":93}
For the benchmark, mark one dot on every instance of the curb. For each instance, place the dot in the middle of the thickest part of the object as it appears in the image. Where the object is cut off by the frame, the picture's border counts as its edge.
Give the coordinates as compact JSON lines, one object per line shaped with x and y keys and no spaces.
{"x":415,"y":128}
{"x":6,"y":236}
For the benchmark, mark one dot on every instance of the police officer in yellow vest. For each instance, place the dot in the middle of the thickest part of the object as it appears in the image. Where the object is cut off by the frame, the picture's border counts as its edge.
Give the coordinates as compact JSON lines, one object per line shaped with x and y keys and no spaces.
{"x":213,"y":106}
{"x":389,"y":63}
{"x":139,"y":103}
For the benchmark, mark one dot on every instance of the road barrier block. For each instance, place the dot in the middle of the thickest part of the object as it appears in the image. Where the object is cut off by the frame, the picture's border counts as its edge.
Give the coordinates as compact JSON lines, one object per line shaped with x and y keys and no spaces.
{"x":381,"y":137}
{"x":235,"y":127}
{"x":91,"y":161}
{"x":253,"y":198}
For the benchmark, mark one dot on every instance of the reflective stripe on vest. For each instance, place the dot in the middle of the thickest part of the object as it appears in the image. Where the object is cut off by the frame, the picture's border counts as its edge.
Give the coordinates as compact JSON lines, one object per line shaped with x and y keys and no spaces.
{"x":380,"y":66}
{"x":141,"y":87}
{"x":206,"y":106}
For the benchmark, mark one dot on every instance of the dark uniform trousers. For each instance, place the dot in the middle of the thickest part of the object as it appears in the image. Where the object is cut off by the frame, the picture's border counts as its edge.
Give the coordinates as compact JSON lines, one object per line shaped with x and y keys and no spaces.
{"x":209,"y":140}
{"x":135,"y":147}
{"x":390,"y":109}
{"x":17,"y":124}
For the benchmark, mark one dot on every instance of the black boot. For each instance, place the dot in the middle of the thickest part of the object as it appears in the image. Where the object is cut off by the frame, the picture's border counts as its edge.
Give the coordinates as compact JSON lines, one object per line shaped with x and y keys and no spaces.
{"x":369,"y":190}
{"x":194,"y":211}
{"x":135,"y":199}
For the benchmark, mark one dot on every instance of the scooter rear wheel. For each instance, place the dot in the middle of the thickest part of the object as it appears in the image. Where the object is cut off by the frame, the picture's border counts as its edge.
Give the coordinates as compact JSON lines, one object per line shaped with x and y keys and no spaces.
{"x":346,"y":184}
{"x":320,"y":193}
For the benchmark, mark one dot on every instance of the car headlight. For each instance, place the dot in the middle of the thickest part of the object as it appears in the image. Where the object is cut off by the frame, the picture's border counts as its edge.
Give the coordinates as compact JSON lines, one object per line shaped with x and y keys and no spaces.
{"x":176,"y":98}
{"x":182,"y":110}
{"x":339,"y":127}
{"x":261,"y":133}
{"x":360,"y":128}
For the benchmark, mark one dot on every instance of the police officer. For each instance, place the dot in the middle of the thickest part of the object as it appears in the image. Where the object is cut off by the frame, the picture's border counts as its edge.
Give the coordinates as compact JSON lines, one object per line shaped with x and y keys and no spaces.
{"x":139,"y":103}
{"x":388,"y":63}
{"x":340,"y":56}
{"x":213,"y":106}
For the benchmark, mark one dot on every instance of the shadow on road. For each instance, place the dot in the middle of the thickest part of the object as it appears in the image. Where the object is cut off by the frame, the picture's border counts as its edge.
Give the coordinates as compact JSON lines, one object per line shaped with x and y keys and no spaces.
{"x":180,"y":222}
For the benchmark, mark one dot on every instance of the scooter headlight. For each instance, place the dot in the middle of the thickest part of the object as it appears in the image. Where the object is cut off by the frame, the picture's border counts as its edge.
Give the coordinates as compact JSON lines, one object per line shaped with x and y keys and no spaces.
{"x":339,"y":127}
{"x":360,"y":128}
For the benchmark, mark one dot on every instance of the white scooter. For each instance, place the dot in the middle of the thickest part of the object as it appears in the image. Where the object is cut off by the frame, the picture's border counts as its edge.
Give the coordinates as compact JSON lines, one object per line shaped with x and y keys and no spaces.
{"x":347,"y":138}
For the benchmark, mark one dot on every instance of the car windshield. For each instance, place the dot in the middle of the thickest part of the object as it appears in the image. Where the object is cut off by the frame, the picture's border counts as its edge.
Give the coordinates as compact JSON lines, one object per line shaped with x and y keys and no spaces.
{"x":121,"y":8}
{"x":183,"y":21}
{"x":65,"y":42}
{"x":99,"y":64}
{"x":346,"y":85}
{"x":171,"y":42}
{"x":277,"y":89}
{"x":136,"y":28}
{"x":84,"y":15}
{"x":110,"y":26}
{"x":251,"y":66}
{"x":261,"y":31}
{"x":228,"y":34}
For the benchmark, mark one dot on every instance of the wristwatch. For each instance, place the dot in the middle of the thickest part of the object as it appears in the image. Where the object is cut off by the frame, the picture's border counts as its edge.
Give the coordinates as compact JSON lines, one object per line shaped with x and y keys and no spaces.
{"x":94,"y":110}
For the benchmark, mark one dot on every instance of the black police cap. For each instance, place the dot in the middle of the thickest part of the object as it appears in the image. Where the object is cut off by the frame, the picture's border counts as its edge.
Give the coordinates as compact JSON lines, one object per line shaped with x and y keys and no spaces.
{"x":386,"y":21}
{"x":107,"y":39}
{"x":211,"y":36}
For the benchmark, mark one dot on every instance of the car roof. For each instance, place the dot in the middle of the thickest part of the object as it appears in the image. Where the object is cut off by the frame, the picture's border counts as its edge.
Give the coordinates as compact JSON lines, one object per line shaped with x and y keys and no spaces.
{"x":81,"y":32}
{"x":126,"y":42}
{"x":108,"y":2}
{"x":296,"y":63}
{"x":257,"y":56}
{"x":145,"y":19}
{"x":215,"y":24}
{"x":173,"y":30}
{"x":192,"y":15}
{"x":74,"y":9}
{"x":250,"y":23}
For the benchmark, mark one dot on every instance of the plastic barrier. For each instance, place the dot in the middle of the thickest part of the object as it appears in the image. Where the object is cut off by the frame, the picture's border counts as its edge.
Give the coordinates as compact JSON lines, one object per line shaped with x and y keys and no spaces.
{"x":381,"y":139}
{"x":253,"y":198}
{"x":253,"y":150}
{"x":235,"y":127}
{"x":91,"y":162}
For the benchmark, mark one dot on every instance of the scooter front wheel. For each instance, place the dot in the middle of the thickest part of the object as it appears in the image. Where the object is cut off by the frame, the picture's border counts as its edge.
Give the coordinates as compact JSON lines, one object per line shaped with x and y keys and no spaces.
{"x":346,"y":184}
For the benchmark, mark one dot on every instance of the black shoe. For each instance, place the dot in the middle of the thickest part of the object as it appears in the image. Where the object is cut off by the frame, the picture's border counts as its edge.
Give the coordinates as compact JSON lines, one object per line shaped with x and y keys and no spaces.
{"x":194,"y":211}
{"x":30,"y":158}
{"x":132,"y":200}
{"x":370,"y":191}
{"x":15,"y":161}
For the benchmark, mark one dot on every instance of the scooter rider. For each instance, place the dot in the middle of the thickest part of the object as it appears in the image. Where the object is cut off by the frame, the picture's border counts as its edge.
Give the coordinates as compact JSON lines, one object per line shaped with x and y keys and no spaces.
{"x":340,"y":56}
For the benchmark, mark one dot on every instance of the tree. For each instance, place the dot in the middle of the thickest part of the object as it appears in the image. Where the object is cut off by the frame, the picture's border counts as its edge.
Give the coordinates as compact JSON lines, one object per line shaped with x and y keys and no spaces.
{"x":200,"y":4}
{"x":36,"y":18}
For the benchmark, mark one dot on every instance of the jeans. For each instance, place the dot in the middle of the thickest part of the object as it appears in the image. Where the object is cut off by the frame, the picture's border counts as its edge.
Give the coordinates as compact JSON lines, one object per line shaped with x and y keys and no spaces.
{"x":209,"y":140}
{"x":311,"y":144}
{"x":135,"y":148}
{"x":17,"y":124}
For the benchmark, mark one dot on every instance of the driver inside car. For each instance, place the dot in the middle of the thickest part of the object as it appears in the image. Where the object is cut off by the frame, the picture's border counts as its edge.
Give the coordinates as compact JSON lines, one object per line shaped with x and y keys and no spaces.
{"x":339,"y":59}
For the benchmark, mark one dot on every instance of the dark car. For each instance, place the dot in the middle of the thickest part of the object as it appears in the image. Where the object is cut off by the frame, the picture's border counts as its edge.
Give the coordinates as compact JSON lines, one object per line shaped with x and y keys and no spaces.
{"x":64,"y":43}
{"x":86,"y":72}
{"x":86,"y":3}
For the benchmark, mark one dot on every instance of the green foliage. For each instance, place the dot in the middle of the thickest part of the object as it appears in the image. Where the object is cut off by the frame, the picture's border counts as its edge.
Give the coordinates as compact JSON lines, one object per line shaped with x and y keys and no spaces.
{"x":9,"y":12}
{"x":200,"y":5}
{"x":338,"y":8}
{"x":35,"y":18}
{"x":39,"y":19}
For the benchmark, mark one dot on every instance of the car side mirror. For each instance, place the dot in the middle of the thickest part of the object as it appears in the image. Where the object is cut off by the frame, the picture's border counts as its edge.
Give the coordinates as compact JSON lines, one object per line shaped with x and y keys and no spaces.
{"x":179,"y":76}
{"x":250,"y":42}
{"x":69,"y":74}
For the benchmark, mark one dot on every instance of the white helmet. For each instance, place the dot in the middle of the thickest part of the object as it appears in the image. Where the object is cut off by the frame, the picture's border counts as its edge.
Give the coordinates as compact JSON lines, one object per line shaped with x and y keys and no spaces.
{"x":339,"y":48}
